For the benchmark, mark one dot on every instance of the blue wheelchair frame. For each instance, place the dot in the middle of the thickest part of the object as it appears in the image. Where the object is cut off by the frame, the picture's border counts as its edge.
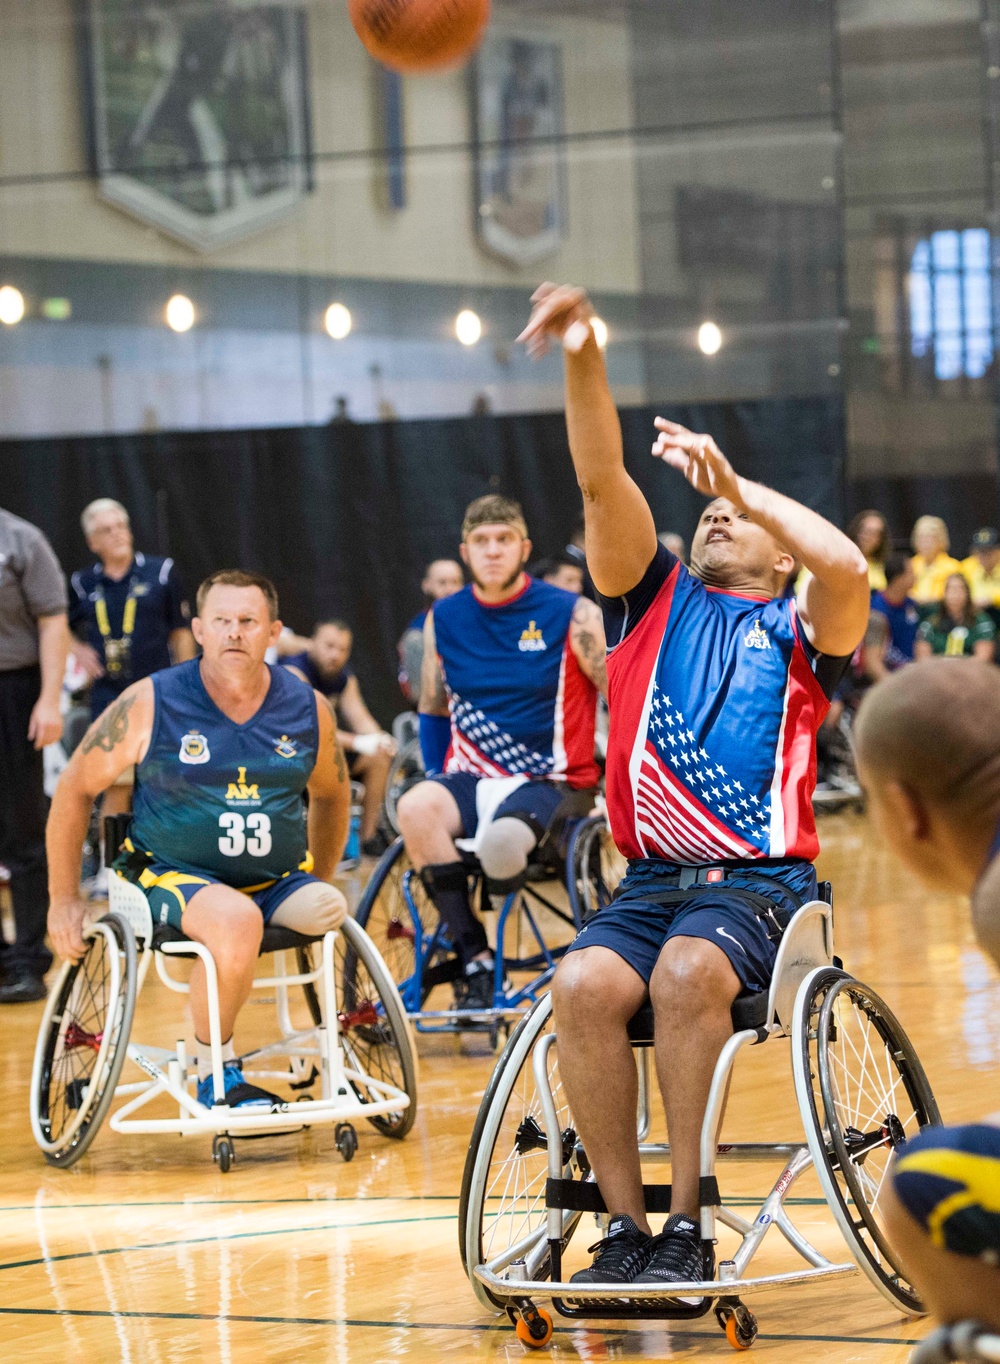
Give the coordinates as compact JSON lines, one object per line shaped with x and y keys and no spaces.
{"x":435,"y":962}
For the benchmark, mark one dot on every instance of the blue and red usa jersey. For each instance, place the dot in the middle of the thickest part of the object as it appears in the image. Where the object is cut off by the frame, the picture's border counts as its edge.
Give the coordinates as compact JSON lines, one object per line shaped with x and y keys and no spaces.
{"x":519,"y":702}
{"x":715,"y":699}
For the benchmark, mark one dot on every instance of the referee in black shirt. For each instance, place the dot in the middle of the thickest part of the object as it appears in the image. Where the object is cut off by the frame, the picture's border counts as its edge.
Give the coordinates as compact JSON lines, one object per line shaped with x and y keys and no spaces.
{"x":33,"y":642}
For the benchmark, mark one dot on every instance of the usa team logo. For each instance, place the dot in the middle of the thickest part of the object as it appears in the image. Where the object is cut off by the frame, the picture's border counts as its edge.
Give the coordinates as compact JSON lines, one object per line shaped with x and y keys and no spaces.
{"x":194,"y":748}
{"x":531,"y":641}
{"x":757,"y":637}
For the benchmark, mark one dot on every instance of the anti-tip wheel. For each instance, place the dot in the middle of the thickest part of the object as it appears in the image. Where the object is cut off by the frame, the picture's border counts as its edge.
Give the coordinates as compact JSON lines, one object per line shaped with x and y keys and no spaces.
{"x":741,"y":1330}
{"x":534,"y":1331}
{"x":222,"y":1153}
{"x":347,"y":1140}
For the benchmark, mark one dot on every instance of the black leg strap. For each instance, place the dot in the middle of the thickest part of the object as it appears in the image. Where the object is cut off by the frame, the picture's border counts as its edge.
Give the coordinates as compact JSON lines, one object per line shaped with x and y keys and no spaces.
{"x":445,"y":876}
{"x":577,"y":1195}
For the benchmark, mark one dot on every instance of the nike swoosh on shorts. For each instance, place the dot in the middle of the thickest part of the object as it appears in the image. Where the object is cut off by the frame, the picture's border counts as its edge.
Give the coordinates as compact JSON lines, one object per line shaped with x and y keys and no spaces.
{"x":723,"y":934}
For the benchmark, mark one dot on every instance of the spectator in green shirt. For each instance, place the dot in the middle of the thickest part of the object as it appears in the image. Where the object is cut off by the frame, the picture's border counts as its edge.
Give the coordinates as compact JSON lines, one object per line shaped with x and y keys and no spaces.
{"x":957,"y":628}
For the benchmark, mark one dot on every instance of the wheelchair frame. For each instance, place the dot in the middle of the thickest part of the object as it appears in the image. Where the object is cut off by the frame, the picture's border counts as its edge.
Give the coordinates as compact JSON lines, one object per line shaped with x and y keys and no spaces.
{"x":319,"y":1049}
{"x":805,"y":955}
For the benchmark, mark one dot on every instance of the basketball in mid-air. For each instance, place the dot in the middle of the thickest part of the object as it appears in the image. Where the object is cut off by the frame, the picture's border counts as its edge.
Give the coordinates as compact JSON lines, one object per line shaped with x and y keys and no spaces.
{"x":420,"y":35}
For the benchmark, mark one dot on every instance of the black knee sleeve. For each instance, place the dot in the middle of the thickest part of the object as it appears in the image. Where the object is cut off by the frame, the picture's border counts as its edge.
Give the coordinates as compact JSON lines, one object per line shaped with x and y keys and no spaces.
{"x":447,"y":883}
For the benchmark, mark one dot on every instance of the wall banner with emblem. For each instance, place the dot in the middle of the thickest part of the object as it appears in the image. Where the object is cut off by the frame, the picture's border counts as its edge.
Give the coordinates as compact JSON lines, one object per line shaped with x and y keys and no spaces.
{"x":198,"y":115}
{"x":517,"y":108}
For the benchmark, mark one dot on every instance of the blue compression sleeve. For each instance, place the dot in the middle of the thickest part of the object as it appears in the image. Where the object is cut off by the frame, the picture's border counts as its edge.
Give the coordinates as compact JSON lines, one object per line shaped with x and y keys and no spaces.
{"x":435,"y":736}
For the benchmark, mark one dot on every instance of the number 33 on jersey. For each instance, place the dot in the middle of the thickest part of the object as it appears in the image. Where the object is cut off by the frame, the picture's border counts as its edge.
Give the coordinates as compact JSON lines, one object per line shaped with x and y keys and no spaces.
{"x":224,"y":798}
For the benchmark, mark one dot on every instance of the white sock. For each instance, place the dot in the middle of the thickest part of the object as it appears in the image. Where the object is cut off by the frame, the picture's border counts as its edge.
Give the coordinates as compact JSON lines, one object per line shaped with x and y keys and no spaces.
{"x":204,"y":1052}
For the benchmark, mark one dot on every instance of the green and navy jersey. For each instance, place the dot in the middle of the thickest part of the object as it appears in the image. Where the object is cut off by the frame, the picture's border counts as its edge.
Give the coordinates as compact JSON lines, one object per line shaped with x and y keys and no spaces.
{"x":214,"y":796}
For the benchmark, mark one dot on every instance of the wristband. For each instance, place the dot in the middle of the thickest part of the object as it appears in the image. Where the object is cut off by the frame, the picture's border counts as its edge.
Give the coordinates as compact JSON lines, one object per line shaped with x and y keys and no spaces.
{"x":435,"y":740}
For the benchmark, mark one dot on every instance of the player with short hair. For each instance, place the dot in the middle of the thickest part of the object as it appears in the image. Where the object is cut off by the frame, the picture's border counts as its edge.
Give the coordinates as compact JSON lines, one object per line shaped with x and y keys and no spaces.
{"x":225,"y":747}
{"x":442,"y":578}
{"x":512,"y":669}
{"x":717,"y":686}
{"x":928,"y":748}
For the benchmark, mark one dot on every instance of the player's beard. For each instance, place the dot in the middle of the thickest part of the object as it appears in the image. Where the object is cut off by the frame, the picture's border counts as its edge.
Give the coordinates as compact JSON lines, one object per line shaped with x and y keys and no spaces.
{"x":505,"y":586}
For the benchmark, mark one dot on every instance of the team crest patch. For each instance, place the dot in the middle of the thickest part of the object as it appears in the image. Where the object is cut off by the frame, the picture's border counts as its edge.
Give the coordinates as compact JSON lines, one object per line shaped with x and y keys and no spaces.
{"x":285,"y":748}
{"x":194,"y":748}
{"x":531,"y":641}
{"x":757,"y":637}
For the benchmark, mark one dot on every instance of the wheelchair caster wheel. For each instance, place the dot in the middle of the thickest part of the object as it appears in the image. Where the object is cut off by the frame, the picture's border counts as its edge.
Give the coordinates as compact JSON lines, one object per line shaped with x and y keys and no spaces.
{"x":347,"y":1140}
{"x":740,"y":1326}
{"x":534,"y":1328}
{"x":223,"y":1153}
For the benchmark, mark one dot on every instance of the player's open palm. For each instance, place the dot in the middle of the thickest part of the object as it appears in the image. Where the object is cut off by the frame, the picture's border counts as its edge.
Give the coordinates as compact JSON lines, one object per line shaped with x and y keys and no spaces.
{"x":559,"y":312}
{"x":698,"y":458}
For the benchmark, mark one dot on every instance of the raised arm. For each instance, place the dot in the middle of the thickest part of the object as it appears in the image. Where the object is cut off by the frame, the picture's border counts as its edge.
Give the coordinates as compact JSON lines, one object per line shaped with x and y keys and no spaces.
{"x":833,"y":605}
{"x":329,"y":796}
{"x":586,"y":639}
{"x":621,"y":535}
{"x":116,"y":740}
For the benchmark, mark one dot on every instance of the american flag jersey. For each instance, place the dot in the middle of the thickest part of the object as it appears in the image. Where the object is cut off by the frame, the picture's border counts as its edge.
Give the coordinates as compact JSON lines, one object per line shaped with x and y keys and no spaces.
{"x":714,"y":707}
{"x":519,"y":702}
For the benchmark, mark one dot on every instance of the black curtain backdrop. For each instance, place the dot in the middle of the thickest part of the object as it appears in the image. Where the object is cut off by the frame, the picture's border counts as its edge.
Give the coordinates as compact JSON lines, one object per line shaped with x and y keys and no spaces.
{"x":964,"y":501}
{"x":343,"y":518}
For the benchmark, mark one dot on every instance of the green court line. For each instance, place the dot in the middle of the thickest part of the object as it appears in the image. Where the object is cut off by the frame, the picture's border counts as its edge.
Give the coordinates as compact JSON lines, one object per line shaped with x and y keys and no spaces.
{"x":214,"y":1240}
{"x":477,"y":1327}
{"x":749,"y":1202}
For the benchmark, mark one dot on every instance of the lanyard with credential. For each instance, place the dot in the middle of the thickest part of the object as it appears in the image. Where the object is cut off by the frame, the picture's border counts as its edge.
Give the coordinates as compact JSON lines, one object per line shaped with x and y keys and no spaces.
{"x":117,"y":652}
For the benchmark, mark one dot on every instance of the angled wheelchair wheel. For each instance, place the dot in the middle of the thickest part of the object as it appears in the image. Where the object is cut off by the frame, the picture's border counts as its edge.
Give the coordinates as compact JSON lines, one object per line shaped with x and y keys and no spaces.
{"x":596,"y":867}
{"x":374,"y":1031}
{"x":386,"y":916}
{"x":406,"y":770}
{"x":502,"y":1201}
{"x":82,"y":1042}
{"x":862,"y":1093}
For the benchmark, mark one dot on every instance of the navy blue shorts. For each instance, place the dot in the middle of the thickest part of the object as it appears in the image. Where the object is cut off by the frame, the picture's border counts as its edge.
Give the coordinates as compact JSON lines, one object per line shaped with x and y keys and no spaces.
{"x":636,"y":928}
{"x":948,"y":1180}
{"x":536,"y":802}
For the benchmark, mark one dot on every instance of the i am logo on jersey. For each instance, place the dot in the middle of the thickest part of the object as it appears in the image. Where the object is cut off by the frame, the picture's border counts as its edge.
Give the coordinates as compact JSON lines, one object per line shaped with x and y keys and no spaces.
{"x":531,"y":641}
{"x":194,"y":748}
{"x":241,"y":791}
{"x":757,"y":637}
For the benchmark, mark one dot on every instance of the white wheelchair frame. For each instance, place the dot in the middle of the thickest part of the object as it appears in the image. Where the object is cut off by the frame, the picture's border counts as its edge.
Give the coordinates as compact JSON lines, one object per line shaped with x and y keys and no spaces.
{"x":173,"y":1072}
{"x":805,"y":953}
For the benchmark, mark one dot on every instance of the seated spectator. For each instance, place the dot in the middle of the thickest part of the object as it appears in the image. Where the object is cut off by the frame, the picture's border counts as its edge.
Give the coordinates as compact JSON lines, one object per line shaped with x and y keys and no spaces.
{"x":324,"y":665}
{"x":893,"y":622}
{"x":560,"y":571}
{"x":870,"y":532}
{"x":956,"y":628}
{"x":442,"y":578}
{"x":982,"y":568}
{"x":932,"y":564}
{"x":673,"y":542}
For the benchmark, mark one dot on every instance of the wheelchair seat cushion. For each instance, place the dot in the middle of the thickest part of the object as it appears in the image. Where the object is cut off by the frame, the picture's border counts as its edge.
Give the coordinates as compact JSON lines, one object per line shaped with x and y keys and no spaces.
{"x":275,"y":939}
{"x":748,"y":1011}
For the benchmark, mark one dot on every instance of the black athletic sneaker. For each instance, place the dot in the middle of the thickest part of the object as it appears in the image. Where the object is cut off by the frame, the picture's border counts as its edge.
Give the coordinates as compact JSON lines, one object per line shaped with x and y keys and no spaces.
{"x":623,"y":1254}
{"x":474,"y":990}
{"x":676,"y":1255}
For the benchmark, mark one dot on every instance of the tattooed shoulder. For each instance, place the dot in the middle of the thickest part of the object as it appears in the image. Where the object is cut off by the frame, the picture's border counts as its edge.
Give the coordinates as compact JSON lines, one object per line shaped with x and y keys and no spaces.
{"x":108,"y":731}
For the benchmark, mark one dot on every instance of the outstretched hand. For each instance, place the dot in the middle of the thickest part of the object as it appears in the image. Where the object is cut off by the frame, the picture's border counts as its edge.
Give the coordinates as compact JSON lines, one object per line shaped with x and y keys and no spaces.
{"x":698,"y":458}
{"x":559,"y":312}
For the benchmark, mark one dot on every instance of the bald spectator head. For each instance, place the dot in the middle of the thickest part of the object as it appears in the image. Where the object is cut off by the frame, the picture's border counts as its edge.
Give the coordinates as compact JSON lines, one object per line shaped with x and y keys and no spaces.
{"x":928,"y":749}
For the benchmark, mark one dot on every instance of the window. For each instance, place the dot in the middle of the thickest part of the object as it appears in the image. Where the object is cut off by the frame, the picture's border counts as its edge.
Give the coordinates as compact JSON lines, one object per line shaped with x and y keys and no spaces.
{"x":951,"y":312}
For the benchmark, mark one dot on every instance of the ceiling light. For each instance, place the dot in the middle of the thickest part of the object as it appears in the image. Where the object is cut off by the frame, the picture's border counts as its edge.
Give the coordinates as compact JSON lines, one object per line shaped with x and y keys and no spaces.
{"x":709,"y":338}
{"x":180,"y":313}
{"x":11,"y":305}
{"x":338,"y":321}
{"x":468,"y":327}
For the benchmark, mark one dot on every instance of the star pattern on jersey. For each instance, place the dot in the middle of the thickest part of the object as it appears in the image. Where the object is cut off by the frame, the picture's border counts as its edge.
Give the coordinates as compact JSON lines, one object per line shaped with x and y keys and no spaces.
{"x":496,"y":745}
{"x":721,"y":794}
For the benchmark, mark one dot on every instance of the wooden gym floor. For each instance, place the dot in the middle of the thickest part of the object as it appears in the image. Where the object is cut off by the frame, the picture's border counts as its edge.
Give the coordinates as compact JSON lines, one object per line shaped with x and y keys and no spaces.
{"x":145,"y":1252}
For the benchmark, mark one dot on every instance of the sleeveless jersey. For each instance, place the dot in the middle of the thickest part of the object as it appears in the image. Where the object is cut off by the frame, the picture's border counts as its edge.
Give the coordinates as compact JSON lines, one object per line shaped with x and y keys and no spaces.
{"x":519,"y":702}
{"x":715,"y":699}
{"x":215,"y":796}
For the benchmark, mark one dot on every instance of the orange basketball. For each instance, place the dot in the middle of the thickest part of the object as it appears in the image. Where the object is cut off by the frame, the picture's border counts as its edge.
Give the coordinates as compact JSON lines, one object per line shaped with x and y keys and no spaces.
{"x":419,"y":35}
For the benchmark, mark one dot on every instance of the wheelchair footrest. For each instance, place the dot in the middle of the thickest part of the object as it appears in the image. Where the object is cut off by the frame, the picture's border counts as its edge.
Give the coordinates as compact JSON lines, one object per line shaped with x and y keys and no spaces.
{"x":578,"y":1195}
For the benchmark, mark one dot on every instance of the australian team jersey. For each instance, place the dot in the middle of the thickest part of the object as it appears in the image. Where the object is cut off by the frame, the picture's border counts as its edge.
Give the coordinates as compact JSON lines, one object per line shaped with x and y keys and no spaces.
{"x":519,"y":702}
{"x":715,"y":700}
{"x":215,"y":796}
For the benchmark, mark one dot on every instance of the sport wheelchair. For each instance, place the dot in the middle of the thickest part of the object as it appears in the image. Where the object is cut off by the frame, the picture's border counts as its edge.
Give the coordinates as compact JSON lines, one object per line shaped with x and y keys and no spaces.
{"x":356,"y":1042}
{"x":399,"y":915}
{"x":860,"y":1091}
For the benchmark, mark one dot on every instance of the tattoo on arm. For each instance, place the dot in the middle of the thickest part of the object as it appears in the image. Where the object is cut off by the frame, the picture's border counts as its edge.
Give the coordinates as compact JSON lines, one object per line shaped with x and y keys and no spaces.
{"x":108,"y":732}
{"x":338,"y":753}
{"x":591,"y":645}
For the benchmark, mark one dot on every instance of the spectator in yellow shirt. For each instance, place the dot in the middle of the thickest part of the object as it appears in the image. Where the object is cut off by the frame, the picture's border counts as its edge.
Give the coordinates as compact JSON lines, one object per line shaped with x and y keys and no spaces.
{"x":982,"y":568}
{"x":870,"y":532}
{"x":932,"y":564}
